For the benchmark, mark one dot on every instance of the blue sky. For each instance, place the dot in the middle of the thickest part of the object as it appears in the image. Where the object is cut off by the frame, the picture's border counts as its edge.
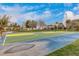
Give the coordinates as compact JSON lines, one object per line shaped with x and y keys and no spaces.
{"x":48,"y":12}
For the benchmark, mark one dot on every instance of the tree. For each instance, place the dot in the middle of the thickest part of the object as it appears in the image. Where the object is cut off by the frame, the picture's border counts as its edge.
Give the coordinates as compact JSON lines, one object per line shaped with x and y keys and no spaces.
{"x":41,"y":24}
{"x":31,"y":24}
{"x":4,"y":20}
{"x":28,"y":24}
{"x":68,"y":24}
{"x":15,"y":27}
{"x":72,"y":25}
{"x":3,"y":23}
{"x":75,"y":25}
{"x":34,"y":24}
{"x":56,"y":25}
{"x":61,"y":26}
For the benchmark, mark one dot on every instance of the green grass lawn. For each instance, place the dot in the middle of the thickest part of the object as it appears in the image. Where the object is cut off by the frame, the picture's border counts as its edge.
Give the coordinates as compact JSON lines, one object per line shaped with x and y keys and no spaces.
{"x":70,"y":50}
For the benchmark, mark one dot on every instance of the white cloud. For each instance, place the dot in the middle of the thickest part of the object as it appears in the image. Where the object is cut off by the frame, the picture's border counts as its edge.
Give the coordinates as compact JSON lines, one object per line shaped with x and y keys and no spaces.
{"x":15,"y":12}
{"x":29,"y":16}
{"x":76,"y":7}
{"x":35,"y":16}
{"x":47,"y":13}
{"x":17,"y":8}
{"x":69,"y":15}
{"x":10,"y":8}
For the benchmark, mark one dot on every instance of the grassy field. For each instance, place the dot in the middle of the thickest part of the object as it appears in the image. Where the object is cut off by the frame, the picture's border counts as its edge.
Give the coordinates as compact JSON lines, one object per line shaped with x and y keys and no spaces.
{"x":70,"y":50}
{"x":25,"y":36}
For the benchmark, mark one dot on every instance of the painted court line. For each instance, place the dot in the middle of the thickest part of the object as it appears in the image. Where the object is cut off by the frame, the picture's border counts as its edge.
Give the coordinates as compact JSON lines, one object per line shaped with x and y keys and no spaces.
{"x":20,"y":34}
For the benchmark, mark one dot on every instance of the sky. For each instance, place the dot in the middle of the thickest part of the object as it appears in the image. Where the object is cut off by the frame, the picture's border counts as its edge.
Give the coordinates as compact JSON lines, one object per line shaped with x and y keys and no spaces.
{"x":48,"y":12}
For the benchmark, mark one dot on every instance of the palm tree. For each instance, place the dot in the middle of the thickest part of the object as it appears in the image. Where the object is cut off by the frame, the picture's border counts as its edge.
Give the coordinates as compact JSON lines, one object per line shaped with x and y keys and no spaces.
{"x":4,"y":21}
